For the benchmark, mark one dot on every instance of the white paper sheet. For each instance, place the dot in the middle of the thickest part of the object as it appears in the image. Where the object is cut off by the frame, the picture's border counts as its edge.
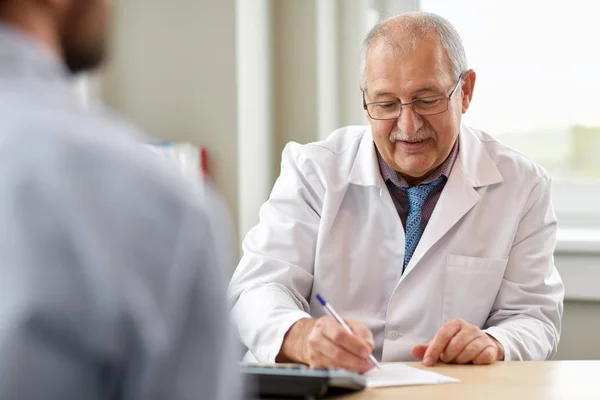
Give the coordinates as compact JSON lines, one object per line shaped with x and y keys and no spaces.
{"x":403,"y":375}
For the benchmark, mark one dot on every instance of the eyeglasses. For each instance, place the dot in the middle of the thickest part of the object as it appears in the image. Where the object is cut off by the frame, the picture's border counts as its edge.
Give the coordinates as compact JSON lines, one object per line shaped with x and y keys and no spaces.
{"x":424,"y":106}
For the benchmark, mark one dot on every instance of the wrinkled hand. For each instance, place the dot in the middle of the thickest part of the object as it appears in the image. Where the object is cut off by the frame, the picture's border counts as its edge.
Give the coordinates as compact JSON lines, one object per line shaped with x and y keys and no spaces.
{"x":324,"y":343}
{"x":459,"y":342}
{"x":329,"y":345}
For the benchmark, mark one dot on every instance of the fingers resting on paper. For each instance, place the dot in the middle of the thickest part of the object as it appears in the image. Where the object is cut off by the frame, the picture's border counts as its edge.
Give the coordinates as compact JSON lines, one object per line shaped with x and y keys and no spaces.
{"x":461,"y":343}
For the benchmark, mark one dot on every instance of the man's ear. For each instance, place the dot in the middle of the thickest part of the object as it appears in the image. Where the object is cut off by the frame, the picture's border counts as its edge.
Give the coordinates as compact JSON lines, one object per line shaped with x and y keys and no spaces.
{"x":468,"y":87}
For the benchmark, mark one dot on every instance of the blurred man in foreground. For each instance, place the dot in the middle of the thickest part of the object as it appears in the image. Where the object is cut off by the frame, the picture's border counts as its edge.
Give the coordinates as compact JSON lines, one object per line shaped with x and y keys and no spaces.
{"x":110,"y":279}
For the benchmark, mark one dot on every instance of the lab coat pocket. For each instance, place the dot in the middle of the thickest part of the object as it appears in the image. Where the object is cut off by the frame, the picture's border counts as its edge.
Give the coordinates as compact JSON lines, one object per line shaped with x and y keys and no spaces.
{"x":471,"y":287}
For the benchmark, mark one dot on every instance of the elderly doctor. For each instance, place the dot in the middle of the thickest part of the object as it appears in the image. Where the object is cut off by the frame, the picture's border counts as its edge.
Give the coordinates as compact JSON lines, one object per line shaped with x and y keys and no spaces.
{"x":433,"y":240}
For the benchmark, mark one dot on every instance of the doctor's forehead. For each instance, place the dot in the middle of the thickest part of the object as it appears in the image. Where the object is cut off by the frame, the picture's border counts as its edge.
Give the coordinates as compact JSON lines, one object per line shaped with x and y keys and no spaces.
{"x":423,"y":69}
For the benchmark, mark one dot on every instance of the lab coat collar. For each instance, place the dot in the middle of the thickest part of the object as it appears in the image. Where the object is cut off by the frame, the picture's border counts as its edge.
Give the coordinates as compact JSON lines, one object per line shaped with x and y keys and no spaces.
{"x":365,"y":170}
{"x":475,"y":163}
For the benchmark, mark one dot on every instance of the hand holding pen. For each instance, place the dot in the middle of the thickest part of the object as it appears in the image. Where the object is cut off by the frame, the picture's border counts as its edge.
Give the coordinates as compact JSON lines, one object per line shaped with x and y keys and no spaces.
{"x":325,"y":343}
{"x":329,"y":309}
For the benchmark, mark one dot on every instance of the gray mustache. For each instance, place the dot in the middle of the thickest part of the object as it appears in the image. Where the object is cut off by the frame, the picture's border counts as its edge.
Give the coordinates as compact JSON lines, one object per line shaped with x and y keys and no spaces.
{"x":421,"y":134}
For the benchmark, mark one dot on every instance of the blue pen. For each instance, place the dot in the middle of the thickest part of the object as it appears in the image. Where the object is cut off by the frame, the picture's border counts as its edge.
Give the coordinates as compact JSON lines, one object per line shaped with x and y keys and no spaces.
{"x":339,"y":319}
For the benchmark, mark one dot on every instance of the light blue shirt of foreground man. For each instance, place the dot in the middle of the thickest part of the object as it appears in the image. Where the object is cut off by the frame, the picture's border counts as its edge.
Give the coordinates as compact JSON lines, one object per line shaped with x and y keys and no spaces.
{"x":111,"y":285}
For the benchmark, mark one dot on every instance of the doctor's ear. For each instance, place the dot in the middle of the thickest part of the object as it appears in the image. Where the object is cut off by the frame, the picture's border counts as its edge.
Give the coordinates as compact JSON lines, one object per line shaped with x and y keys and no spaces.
{"x":468,"y":87}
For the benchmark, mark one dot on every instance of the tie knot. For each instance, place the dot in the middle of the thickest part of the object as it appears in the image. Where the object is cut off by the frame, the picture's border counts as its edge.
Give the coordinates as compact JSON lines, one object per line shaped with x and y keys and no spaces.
{"x":417,"y":195}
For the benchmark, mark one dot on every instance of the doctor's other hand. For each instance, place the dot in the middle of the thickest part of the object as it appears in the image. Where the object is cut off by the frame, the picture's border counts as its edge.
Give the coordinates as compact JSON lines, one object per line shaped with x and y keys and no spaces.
{"x":324,"y":343}
{"x":459,"y":342}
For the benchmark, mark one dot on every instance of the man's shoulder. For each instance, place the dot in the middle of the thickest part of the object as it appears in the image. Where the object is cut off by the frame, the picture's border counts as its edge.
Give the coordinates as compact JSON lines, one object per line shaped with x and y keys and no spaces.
{"x":341,"y":140}
{"x":60,"y":150}
{"x":63,"y":117}
{"x":512,"y":164}
{"x":340,"y":146}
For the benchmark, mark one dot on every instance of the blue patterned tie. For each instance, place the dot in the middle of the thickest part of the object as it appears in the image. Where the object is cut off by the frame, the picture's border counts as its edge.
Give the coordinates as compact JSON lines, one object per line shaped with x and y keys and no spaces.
{"x":417,"y":196}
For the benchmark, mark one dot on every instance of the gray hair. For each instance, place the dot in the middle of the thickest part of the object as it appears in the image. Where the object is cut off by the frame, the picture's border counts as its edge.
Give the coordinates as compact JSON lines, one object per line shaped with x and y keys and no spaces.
{"x":415,"y":26}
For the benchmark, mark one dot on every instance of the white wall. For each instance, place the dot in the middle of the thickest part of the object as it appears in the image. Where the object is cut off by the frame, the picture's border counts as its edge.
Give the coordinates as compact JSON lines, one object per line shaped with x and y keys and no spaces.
{"x":295,"y":74}
{"x":173,"y":71}
{"x":304,"y":56}
{"x":580,"y":339}
{"x":579,"y":267}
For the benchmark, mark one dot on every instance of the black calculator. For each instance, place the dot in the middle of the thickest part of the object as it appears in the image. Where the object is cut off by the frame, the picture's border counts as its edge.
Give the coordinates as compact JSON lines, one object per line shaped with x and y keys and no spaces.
{"x":298,"y":381}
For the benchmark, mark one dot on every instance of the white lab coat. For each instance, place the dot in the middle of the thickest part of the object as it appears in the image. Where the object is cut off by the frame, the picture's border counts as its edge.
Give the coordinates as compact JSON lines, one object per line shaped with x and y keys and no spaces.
{"x":330,"y":227}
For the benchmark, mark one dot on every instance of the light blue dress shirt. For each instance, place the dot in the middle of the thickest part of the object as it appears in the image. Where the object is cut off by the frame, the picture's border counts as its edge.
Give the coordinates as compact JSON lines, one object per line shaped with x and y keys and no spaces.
{"x":110,"y":286}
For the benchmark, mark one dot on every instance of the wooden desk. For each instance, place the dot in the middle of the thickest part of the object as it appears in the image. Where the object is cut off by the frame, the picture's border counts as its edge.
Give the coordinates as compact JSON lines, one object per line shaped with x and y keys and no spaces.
{"x":551,"y":380}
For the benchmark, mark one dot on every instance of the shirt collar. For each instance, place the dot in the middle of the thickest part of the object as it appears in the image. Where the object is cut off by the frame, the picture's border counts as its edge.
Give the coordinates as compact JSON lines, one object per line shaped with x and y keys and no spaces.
{"x":389,"y":174}
{"x":23,"y":56}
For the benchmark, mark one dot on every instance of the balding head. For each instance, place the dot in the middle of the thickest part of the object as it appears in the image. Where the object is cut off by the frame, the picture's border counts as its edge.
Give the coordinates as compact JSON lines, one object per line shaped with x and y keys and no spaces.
{"x":402,"y":34}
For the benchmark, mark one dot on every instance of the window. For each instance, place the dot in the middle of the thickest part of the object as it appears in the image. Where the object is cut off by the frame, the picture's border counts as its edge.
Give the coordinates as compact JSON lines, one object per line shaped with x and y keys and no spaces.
{"x":538,"y":88}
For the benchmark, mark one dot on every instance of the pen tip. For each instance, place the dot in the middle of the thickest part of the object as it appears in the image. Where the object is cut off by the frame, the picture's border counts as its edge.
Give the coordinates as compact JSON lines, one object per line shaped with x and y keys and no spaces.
{"x":321,"y":300}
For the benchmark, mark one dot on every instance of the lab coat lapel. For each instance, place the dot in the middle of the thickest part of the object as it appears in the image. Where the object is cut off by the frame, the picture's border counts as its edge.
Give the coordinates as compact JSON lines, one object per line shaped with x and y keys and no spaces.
{"x":473,"y":169}
{"x":365,"y":172}
{"x":365,"y":169}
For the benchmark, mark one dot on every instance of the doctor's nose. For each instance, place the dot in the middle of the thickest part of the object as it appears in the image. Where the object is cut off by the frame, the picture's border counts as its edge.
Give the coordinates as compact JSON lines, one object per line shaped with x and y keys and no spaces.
{"x":409,"y":121}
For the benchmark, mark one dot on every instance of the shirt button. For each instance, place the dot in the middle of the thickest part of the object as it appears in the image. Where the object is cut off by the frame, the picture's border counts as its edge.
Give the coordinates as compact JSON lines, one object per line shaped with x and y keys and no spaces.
{"x":392,"y":275}
{"x":393,"y":335}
